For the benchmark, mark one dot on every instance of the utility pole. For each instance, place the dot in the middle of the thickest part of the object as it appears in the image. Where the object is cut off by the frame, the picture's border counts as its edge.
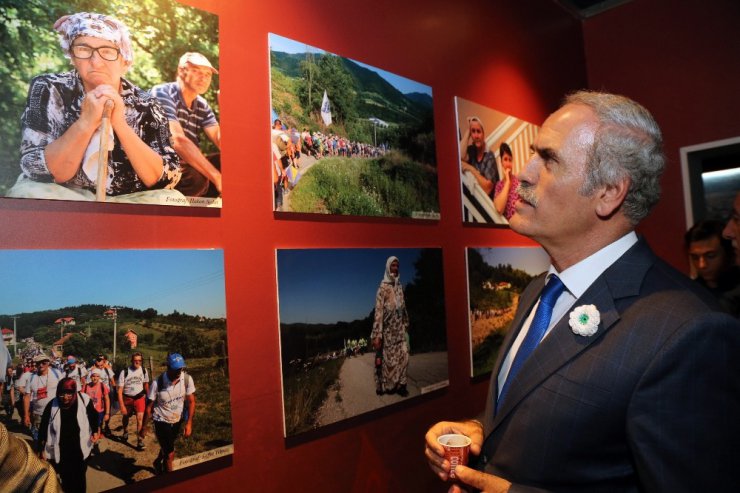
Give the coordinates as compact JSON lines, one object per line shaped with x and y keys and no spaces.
{"x":15,"y":337}
{"x":115,"y":319}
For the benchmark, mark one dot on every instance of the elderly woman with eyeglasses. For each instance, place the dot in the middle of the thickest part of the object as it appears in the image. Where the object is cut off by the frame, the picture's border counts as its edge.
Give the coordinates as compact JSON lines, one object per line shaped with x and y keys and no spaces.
{"x":62,"y":123}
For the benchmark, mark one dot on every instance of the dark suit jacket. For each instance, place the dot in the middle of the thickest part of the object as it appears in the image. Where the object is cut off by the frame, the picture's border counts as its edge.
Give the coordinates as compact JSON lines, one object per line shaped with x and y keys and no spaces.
{"x":651,"y":402}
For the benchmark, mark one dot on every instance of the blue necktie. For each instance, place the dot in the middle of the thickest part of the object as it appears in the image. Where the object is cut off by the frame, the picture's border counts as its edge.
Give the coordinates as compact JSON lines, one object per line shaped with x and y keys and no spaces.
{"x":537,"y":329}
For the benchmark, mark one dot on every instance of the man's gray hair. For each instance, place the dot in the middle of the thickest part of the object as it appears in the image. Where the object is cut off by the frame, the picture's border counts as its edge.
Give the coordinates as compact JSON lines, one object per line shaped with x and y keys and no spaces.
{"x":627,"y":144}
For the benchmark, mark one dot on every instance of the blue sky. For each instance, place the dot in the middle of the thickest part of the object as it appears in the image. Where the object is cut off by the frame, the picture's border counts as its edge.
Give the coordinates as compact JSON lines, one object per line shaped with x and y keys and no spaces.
{"x":189,"y":281}
{"x":285,"y":45}
{"x":532,"y":260}
{"x":331,"y":285}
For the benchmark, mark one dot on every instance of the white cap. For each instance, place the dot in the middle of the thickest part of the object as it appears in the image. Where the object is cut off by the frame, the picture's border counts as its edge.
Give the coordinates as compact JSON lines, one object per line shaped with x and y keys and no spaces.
{"x":196,"y":59}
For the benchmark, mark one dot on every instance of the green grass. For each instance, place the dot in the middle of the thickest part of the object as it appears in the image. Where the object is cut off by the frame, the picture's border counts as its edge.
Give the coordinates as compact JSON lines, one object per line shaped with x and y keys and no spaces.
{"x":305,"y":391}
{"x":392,"y":186}
{"x":485,"y":354}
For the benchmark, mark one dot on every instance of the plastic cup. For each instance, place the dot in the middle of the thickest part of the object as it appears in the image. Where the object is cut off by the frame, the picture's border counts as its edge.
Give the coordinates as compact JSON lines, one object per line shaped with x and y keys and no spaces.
{"x":457,"y":449}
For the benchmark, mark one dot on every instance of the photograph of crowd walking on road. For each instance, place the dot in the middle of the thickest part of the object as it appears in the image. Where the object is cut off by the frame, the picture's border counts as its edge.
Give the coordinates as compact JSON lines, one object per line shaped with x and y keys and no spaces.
{"x":110,"y":101}
{"x":493,"y":147}
{"x":360,"y":329}
{"x":348,"y":138}
{"x":129,"y":360}
{"x":496,"y":278}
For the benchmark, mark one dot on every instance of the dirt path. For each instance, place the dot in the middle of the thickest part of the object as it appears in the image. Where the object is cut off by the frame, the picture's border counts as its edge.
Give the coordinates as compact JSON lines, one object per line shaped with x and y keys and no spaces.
{"x":116,"y":462}
{"x":306,"y":163}
{"x":482,"y":327}
{"x":355,"y":391}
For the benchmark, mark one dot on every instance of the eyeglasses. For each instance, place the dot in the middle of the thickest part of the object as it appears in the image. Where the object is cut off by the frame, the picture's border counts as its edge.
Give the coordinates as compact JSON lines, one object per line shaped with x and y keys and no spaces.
{"x":84,"y":52}
{"x":66,"y":392}
{"x":137,"y":361}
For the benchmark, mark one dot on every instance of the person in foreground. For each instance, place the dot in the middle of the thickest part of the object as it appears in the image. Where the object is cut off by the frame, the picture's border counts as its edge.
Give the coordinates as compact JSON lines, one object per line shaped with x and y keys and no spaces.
{"x":634,"y":385}
{"x":62,"y":123}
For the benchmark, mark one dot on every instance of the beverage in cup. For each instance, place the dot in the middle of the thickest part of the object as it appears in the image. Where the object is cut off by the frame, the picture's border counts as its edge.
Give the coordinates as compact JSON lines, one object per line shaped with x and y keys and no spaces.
{"x":457,"y":448}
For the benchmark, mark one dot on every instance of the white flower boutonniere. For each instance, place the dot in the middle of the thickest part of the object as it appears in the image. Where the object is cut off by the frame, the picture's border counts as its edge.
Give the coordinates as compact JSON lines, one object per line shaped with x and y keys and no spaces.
{"x":584,"y":320}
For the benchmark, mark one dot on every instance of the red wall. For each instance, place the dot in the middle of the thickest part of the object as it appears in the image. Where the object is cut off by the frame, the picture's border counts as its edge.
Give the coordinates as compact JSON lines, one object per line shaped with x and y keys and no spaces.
{"x":517,"y":57}
{"x":681,"y":59}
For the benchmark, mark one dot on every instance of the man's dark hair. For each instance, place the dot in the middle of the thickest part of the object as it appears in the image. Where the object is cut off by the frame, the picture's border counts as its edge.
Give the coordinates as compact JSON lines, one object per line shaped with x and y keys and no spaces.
{"x":706,"y":229}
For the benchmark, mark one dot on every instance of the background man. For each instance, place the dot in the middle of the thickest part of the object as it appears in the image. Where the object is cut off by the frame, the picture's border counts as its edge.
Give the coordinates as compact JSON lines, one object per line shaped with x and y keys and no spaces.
{"x":171,"y":403}
{"x":636,"y":389}
{"x":188,"y":113}
{"x":133,"y":386}
{"x":76,"y":372}
{"x":40,"y":389}
{"x":713,"y":259}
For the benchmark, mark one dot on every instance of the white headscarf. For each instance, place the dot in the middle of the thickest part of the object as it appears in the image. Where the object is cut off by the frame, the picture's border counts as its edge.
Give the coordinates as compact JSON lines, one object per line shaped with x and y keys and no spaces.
{"x":100,"y":26}
{"x":388,"y":277}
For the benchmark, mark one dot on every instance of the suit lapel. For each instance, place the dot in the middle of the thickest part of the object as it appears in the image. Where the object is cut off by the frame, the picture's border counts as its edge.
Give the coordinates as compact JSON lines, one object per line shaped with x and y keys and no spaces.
{"x":561,"y":345}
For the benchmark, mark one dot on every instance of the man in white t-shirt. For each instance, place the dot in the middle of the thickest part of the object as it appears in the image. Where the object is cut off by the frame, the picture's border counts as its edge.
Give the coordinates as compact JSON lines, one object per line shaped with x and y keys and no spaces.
{"x":171,"y":402}
{"x":41,"y":388}
{"x":76,"y":372}
{"x":133,"y":386}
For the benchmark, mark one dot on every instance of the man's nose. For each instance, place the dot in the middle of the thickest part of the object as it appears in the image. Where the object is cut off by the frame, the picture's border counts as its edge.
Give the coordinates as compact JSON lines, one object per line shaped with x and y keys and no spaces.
{"x":702,"y":262}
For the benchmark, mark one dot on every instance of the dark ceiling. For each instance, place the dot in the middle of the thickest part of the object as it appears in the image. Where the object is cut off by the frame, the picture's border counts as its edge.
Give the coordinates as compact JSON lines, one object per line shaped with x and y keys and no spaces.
{"x":584,"y":9}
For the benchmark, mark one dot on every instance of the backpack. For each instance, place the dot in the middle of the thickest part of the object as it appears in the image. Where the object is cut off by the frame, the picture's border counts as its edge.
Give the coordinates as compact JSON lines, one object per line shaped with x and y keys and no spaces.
{"x":125,"y":373}
{"x":186,"y":382}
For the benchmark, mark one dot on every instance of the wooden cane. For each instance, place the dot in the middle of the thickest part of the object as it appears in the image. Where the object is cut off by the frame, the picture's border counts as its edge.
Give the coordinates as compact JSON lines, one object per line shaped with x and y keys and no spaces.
{"x":103,"y":152}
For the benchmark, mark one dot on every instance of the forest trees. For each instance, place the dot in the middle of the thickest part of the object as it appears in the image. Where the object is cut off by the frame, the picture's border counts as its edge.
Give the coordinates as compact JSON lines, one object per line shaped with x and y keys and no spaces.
{"x":330,"y":75}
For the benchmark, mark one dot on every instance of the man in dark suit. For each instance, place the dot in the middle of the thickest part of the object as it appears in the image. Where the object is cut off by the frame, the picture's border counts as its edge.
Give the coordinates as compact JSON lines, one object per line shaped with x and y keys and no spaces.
{"x":619,"y":374}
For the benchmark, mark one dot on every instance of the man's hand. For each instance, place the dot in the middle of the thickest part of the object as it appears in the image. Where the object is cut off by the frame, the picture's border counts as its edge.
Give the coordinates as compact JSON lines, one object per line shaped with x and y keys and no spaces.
{"x":486,"y":483}
{"x":435,"y":452}
{"x":188,"y":429}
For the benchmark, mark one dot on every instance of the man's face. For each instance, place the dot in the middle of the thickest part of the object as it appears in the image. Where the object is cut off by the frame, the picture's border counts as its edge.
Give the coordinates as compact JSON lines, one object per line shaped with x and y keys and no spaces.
{"x":136,"y":361}
{"x":551,"y":209}
{"x":732,"y":228}
{"x":708,"y":258}
{"x":196,"y":78}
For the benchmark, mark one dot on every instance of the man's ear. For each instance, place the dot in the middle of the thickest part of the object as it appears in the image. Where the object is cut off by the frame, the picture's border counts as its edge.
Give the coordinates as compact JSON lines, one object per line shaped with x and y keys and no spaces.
{"x":611,"y":197}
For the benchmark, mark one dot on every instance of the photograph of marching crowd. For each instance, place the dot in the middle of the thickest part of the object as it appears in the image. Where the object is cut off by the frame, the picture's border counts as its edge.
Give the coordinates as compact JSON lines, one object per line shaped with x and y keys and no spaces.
{"x":113,"y":101}
{"x":123,"y":377}
{"x":496,"y":278}
{"x":494,"y":147}
{"x":360,"y":329}
{"x":348,"y":138}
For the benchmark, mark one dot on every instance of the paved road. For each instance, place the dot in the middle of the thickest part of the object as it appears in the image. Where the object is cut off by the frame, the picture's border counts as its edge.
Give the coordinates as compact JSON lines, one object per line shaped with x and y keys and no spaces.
{"x":355,"y":392}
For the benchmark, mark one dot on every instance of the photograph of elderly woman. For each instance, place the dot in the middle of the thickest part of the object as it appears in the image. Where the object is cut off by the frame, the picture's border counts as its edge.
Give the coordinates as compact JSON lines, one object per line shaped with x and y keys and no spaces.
{"x":144,"y":344}
{"x":111,"y":101}
{"x":360,"y":329}
{"x":349,"y":138}
{"x":496,"y":277}
{"x":493,"y":149}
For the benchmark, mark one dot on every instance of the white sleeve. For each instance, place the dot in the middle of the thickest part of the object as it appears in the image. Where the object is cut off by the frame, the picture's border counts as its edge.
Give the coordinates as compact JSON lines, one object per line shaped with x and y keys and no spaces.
{"x":153,"y":391}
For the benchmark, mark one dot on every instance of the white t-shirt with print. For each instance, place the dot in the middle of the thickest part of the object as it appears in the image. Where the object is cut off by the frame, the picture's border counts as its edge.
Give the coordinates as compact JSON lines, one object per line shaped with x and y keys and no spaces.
{"x":133,"y":383}
{"x":43,"y":388}
{"x":169,"y":401}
